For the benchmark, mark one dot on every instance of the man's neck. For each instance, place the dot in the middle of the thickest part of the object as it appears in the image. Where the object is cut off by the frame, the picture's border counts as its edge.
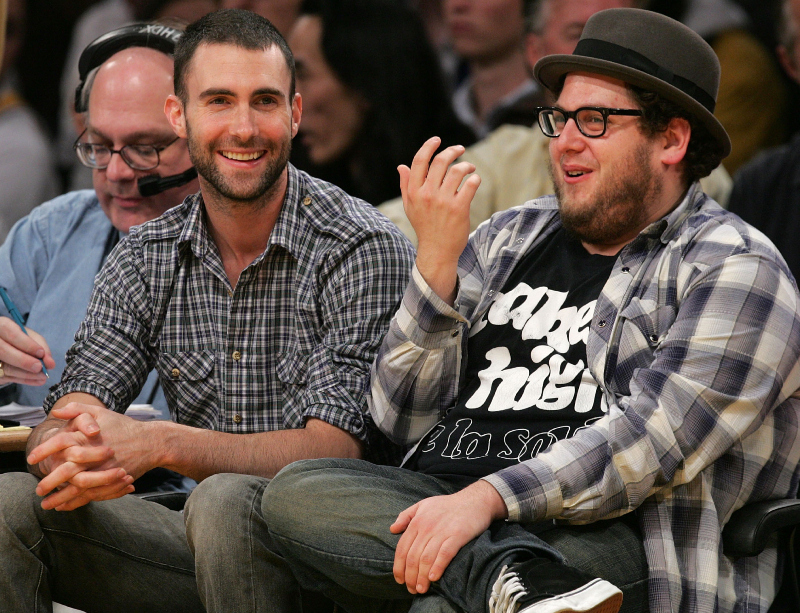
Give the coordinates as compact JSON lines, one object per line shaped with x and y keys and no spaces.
{"x":493,"y":81}
{"x":241,"y":230}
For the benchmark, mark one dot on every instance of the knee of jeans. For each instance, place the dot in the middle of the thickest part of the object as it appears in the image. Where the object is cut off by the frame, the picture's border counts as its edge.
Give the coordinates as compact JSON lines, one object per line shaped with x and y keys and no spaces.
{"x":295,"y":494}
{"x":221,"y":503}
{"x":19,"y":505}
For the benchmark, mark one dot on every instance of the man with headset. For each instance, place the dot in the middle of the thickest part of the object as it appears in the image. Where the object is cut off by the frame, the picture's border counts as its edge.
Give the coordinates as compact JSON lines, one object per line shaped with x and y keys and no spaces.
{"x":50,"y":258}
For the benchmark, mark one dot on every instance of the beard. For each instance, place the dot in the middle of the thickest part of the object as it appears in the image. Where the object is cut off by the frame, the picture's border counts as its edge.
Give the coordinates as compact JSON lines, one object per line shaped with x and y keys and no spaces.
{"x":618,"y":206}
{"x":243,"y":190}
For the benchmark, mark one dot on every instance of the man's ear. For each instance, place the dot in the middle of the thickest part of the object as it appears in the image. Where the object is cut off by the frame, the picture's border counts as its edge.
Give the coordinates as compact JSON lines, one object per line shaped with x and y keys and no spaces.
{"x":534,"y":49}
{"x":297,"y":112}
{"x":675,"y":141}
{"x":788,"y":63}
{"x":173,"y":109}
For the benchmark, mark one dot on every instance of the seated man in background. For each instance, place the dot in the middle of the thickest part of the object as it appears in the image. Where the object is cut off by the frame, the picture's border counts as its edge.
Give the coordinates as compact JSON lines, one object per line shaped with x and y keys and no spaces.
{"x":49,"y":261}
{"x":621,"y":357}
{"x":261,"y":302}
{"x":766,"y":192}
{"x":513,"y":161}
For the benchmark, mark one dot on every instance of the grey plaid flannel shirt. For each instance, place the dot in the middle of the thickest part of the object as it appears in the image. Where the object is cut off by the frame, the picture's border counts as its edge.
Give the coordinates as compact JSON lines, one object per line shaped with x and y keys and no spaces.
{"x":695,"y":341}
{"x":295,"y":339}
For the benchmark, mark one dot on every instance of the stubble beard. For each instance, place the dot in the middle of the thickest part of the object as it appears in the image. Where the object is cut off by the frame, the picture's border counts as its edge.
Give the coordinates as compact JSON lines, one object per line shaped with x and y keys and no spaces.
{"x":240,"y":194}
{"x":619,"y":206}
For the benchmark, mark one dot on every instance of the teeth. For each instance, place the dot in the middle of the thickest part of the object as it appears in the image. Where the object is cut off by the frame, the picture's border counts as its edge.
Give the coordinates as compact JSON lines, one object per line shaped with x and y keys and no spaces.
{"x":242,"y":157}
{"x":574,"y":173}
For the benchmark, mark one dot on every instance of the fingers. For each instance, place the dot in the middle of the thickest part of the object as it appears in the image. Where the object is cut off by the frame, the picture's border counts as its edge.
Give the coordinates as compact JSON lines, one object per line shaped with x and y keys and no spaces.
{"x":48,"y":355}
{"x":18,"y":363}
{"x":400,"y":567}
{"x":419,"y":166}
{"x":111,"y":483}
{"x":74,"y":409}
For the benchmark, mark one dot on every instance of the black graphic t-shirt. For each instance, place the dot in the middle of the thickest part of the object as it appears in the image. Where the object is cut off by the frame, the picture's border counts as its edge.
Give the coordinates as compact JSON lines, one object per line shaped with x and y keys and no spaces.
{"x":528,"y":384}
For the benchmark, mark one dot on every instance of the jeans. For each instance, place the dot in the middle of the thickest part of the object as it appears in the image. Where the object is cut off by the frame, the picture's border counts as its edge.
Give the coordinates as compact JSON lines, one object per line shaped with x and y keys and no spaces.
{"x":329,"y":520}
{"x":119,"y":555}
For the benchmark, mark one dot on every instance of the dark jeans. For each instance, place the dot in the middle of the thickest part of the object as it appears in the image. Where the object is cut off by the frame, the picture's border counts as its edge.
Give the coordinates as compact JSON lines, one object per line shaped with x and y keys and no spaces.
{"x":329,"y":520}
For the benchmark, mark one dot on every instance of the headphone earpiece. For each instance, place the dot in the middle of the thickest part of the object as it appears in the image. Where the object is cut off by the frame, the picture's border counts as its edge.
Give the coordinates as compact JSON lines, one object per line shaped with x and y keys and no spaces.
{"x":153,"y":36}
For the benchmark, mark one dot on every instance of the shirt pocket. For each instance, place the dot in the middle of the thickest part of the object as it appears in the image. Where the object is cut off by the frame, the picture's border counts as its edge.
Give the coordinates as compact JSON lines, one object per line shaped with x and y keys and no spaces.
{"x":292,"y":372}
{"x":190,"y":386}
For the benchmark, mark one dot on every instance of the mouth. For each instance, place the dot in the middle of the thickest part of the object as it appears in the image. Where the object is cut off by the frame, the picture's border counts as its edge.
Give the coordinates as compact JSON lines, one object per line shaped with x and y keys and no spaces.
{"x":575,"y":174}
{"x":242,"y":157}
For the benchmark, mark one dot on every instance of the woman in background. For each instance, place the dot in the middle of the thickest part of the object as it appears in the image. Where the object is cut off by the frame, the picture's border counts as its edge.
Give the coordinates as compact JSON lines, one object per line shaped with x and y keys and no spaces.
{"x":372,"y":91}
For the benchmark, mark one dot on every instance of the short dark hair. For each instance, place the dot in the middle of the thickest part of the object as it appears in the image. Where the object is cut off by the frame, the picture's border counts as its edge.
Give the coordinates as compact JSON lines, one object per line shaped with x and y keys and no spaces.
{"x":704,"y":152}
{"x":229,"y":27}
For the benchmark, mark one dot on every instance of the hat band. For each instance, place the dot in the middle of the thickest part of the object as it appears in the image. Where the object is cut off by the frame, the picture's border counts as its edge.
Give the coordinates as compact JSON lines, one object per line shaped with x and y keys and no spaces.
{"x":603,"y":50}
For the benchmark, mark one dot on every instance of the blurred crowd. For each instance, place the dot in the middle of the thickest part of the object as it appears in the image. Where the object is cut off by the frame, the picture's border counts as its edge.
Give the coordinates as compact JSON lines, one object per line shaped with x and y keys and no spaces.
{"x":379,"y":77}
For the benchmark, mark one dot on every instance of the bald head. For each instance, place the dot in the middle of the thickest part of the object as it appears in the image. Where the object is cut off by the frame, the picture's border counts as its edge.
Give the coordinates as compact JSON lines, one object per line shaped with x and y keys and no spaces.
{"x":126,"y":108}
{"x":788,"y":47}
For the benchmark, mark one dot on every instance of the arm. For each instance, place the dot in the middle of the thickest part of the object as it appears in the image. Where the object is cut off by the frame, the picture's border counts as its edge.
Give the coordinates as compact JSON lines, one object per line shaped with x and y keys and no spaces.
{"x":415,"y":376}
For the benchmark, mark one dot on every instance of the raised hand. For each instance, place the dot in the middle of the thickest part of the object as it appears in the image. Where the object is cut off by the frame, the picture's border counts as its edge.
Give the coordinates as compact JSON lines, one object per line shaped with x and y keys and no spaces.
{"x":437,"y":205}
{"x":20,"y":354}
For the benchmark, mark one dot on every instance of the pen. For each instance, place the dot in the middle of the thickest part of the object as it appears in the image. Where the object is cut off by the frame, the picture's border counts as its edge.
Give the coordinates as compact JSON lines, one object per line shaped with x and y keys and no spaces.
{"x":12,"y":309}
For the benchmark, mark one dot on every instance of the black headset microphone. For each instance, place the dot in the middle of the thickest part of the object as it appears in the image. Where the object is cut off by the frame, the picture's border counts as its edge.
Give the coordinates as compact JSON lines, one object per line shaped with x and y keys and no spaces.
{"x":153,"y":36}
{"x":153,"y":184}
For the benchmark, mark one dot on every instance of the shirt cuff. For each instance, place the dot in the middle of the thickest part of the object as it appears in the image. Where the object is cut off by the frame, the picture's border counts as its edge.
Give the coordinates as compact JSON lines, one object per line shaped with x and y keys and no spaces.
{"x":424,"y":318}
{"x":529,"y":496}
{"x":85,"y":387}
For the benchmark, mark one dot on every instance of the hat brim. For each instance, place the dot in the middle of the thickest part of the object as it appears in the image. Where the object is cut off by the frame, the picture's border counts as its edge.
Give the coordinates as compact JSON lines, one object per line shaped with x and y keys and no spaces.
{"x":550,"y":69}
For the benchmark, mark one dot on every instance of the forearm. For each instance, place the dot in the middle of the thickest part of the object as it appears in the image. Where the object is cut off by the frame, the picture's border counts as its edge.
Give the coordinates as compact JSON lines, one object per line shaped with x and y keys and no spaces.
{"x":199,"y":453}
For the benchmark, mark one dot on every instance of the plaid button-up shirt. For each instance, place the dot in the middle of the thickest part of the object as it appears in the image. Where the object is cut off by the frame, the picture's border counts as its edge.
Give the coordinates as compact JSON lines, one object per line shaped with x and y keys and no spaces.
{"x":695,"y":342}
{"x":294,"y":339}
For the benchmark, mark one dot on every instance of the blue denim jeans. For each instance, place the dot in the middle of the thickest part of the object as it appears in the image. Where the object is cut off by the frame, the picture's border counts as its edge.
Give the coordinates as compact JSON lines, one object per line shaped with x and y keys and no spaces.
{"x":329,"y":521}
{"x":120,"y":555}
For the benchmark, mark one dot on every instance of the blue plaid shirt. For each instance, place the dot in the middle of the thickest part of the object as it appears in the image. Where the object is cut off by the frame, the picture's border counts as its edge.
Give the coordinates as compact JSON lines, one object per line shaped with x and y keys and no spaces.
{"x":294,"y":339}
{"x":695,"y":343}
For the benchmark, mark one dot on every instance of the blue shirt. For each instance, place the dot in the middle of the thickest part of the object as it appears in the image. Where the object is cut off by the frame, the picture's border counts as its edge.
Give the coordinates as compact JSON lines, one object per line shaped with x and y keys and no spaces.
{"x":48,"y":264}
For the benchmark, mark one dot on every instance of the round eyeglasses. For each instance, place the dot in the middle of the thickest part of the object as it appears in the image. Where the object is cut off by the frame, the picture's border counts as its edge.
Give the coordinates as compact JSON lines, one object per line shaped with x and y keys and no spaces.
{"x":138,"y":157}
{"x":592,"y":121}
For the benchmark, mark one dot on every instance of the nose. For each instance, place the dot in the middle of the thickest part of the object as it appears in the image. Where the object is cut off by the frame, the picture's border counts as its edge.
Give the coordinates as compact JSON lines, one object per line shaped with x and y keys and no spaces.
{"x":570,"y":139}
{"x":244,"y":126}
{"x":118,"y":169}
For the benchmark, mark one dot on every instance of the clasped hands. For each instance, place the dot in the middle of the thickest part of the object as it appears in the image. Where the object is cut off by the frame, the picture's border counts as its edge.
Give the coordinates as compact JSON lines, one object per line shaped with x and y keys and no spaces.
{"x":94,"y":455}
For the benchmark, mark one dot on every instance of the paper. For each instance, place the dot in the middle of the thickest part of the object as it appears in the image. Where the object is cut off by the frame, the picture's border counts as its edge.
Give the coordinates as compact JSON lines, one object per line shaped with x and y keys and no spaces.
{"x":32,"y":416}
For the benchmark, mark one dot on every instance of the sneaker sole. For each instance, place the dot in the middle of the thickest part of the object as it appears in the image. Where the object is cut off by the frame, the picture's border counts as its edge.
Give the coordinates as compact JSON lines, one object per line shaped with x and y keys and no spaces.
{"x":597,"y":596}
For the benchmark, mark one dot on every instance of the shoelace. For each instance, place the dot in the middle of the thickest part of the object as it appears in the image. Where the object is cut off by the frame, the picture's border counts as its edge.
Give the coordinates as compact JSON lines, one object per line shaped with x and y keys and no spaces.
{"x":506,"y":591}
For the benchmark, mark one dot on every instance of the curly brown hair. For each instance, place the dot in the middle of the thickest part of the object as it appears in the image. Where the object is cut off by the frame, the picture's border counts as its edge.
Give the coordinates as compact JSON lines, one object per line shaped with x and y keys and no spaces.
{"x":704,"y":152}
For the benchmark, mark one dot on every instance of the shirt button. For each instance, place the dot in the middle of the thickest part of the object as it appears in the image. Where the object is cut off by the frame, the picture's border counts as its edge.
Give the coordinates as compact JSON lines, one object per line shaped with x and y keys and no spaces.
{"x":230,"y":294}
{"x":176,"y":373}
{"x":625,"y":269}
{"x":454,"y":333}
{"x":237,"y":355}
{"x":237,"y":418}
{"x":307,"y":200}
{"x":653,"y":338}
{"x":490,"y":292}
{"x":601,"y":323}
{"x":520,"y":241}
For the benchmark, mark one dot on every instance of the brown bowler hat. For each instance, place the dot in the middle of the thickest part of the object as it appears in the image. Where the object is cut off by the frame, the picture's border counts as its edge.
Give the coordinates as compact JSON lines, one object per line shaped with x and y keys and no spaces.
{"x":650,"y":51}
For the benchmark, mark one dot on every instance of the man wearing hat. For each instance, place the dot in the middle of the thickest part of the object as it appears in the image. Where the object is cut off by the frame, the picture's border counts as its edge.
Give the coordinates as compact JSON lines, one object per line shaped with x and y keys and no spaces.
{"x":598,"y":381}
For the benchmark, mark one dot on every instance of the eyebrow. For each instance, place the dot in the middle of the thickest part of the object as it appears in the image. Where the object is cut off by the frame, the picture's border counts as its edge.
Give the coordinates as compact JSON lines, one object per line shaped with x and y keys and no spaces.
{"x":221,"y":91}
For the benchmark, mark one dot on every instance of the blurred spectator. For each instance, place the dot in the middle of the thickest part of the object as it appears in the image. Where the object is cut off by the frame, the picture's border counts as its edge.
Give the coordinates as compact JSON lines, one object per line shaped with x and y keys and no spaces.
{"x":27,"y":172}
{"x":372,"y":94}
{"x":103,"y":17}
{"x":751,"y":95}
{"x":513,"y":161}
{"x":766,"y":192}
{"x":489,"y":36}
{"x":282,"y":13}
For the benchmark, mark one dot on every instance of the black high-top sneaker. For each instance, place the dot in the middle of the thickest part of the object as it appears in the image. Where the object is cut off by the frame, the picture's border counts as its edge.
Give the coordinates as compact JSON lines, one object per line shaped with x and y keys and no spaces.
{"x":542,"y":586}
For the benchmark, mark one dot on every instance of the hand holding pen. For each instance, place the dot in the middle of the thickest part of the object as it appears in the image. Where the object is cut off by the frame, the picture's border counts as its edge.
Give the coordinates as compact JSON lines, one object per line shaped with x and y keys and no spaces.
{"x":21,"y":349}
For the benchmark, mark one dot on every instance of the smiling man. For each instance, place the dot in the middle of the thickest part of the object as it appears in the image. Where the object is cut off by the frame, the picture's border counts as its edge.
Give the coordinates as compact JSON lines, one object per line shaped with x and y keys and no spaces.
{"x":260,"y":301}
{"x":593,"y":381}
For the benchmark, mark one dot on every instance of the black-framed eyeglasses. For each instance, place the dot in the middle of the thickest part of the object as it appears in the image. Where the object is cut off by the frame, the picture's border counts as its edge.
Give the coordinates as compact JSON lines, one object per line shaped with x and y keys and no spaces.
{"x":592,"y":121}
{"x":138,"y":157}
